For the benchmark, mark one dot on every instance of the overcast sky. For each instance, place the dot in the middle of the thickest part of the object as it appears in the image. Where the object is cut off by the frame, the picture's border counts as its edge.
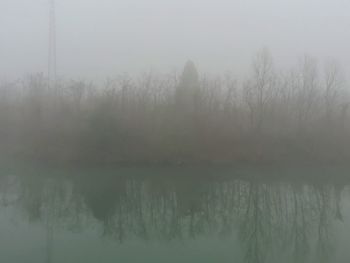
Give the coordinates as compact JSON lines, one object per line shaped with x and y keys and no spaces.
{"x":101,"y":38}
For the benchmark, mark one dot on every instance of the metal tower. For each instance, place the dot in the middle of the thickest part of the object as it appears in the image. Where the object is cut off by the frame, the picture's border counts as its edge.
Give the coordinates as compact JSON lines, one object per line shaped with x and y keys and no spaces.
{"x":52,"y":63}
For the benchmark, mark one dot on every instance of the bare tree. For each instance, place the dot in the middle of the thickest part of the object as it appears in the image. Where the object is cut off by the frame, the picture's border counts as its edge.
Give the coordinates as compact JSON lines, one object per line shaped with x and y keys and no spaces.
{"x":333,"y":82}
{"x":259,"y":89}
{"x":307,"y":90}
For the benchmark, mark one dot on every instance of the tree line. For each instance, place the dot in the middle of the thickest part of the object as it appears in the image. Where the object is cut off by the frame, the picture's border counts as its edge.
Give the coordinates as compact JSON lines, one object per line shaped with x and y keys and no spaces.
{"x":298,"y":114}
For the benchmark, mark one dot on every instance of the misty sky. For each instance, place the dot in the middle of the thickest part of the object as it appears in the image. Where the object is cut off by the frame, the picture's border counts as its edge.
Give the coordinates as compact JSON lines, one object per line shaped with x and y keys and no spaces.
{"x":101,"y":38}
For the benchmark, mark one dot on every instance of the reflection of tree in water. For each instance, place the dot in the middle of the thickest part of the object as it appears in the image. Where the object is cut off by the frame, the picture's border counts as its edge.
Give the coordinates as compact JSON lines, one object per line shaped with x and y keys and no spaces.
{"x":268,"y":218}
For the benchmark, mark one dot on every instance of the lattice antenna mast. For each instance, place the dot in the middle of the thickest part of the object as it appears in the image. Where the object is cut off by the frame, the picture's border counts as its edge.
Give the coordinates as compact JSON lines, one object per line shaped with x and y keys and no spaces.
{"x":52,"y":62}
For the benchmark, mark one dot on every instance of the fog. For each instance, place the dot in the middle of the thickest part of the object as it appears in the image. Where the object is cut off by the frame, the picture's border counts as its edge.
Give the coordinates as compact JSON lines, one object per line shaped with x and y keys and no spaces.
{"x":174,"y":131}
{"x":262,"y":81}
{"x":101,"y":38}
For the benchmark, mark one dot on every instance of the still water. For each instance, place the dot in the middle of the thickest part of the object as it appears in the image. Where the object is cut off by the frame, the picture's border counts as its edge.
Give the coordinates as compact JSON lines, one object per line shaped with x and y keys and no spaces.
{"x":172,"y":215}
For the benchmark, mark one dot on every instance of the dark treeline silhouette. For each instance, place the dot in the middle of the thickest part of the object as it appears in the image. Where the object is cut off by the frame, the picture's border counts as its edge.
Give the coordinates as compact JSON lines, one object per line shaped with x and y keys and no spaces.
{"x":299,"y":114}
{"x":268,"y":219}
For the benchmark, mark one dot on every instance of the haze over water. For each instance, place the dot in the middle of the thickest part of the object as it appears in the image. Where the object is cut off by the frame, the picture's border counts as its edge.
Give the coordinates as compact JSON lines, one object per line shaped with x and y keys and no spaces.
{"x":173,"y":215}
